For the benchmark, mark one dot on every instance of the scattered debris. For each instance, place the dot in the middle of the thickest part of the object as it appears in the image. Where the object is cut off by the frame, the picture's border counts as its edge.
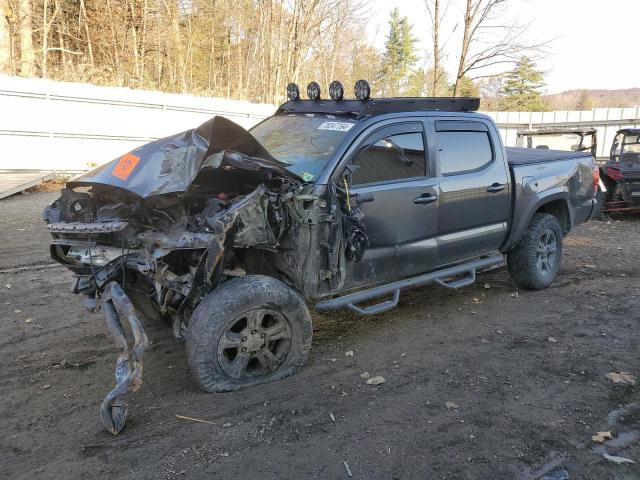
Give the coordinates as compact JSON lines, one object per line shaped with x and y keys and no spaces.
{"x":601,"y":436}
{"x":346,"y":467}
{"x":191,"y":419}
{"x":625,"y":378}
{"x":552,"y":340}
{"x":365,"y":375}
{"x":452,"y":405}
{"x":557,"y":475}
{"x":377,"y":380}
{"x":349,"y":353}
{"x":332,"y":416}
{"x":616,"y":459}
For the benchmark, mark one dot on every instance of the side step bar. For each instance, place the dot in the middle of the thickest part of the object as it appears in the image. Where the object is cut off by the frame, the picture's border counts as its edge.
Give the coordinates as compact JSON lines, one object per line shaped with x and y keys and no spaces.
{"x":440,"y":277}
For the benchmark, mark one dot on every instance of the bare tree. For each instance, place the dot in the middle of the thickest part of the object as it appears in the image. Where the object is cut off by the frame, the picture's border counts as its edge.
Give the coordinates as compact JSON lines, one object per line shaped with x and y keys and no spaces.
{"x":5,"y":37}
{"x":436,"y":9}
{"x":486,"y":42}
{"x":27,"y":55}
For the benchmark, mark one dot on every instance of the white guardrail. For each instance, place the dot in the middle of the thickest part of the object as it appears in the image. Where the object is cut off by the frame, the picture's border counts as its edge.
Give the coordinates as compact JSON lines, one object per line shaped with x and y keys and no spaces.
{"x":61,"y":126}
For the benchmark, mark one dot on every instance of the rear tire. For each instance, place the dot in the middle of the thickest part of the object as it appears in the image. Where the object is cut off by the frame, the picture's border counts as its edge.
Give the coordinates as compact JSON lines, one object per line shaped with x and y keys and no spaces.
{"x":534,"y":263}
{"x":250,"y":330}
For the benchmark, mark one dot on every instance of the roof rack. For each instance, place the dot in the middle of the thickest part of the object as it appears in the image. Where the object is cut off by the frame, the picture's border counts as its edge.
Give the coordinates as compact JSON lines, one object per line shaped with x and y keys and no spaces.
{"x":379,"y":106}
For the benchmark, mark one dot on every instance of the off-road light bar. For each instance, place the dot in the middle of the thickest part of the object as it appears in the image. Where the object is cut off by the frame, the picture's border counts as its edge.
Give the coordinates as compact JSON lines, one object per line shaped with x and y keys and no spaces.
{"x":336,"y":91}
{"x":362,"y":90}
{"x":313,"y":91}
{"x":293,"y":92}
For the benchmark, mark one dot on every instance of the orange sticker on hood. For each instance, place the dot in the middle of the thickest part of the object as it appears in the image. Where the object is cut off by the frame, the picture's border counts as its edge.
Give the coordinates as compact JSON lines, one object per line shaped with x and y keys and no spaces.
{"x":125,"y":166}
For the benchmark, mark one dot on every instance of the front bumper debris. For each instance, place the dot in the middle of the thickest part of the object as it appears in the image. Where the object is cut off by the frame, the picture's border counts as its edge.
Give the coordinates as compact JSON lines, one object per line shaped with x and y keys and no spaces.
{"x":113,"y":411}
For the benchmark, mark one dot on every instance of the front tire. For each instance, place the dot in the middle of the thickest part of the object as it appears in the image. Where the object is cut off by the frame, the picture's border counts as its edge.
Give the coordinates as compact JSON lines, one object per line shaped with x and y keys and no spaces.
{"x":248,"y":331}
{"x":534,"y":263}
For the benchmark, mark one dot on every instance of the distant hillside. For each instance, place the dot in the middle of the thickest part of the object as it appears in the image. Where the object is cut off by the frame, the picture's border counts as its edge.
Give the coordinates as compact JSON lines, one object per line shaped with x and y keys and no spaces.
{"x":572,"y":99}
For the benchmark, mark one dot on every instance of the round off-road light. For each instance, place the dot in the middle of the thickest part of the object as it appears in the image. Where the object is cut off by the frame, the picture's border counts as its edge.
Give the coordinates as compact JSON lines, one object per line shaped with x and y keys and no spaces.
{"x":362,"y":90}
{"x":313,"y":91}
{"x":336,"y":91}
{"x":293,"y":92}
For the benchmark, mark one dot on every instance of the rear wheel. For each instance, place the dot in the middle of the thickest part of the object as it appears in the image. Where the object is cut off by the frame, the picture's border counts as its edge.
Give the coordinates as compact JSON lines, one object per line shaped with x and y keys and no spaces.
{"x":535,"y":261}
{"x":250,"y":330}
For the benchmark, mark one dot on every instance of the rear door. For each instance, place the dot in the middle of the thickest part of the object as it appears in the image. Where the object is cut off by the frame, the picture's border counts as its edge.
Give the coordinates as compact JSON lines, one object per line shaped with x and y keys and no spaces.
{"x":402,"y":203}
{"x":474,"y":191}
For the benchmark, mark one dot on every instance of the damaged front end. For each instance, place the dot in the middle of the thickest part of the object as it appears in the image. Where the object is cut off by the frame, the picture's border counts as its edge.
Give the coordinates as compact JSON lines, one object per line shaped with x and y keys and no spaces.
{"x":158,"y":229}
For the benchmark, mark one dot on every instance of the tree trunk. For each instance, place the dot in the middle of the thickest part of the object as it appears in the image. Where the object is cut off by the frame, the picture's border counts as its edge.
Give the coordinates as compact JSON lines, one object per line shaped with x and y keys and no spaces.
{"x":436,"y":47}
{"x":27,"y":55}
{"x":46,"y":27}
{"x":5,"y":38}
{"x":61,"y":43}
{"x":468,"y":19}
{"x":83,"y":13}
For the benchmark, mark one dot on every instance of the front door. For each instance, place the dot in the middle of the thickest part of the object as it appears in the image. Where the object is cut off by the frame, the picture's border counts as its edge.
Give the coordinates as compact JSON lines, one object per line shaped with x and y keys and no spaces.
{"x":400,"y":212}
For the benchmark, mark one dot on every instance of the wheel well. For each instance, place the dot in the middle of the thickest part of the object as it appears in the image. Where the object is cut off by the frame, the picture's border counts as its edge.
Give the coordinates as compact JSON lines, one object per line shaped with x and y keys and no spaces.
{"x":560,"y":210}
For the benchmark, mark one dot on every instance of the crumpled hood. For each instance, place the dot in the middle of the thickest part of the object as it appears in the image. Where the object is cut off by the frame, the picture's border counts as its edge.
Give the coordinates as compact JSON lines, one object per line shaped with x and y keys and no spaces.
{"x":171,"y":164}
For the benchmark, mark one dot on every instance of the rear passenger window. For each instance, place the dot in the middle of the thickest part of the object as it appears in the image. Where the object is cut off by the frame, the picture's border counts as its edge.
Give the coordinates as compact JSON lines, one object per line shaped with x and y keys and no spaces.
{"x":462,"y":151}
{"x":389,"y":158}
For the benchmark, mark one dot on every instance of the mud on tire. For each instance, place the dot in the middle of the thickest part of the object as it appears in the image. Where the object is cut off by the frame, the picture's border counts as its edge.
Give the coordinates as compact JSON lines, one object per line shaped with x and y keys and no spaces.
{"x":524,"y":262}
{"x":248,"y":331}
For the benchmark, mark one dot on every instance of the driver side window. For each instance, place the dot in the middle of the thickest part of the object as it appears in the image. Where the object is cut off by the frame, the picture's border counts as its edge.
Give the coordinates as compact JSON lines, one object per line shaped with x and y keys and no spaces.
{"x":391,"y":154}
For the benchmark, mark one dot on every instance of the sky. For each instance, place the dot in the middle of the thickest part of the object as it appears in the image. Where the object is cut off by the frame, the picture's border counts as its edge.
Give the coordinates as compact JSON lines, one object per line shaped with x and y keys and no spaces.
{"x":593,"y":45}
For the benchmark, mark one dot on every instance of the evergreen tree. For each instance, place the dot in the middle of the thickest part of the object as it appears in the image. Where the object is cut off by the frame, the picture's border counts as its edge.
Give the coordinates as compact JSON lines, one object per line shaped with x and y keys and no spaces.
{"x":521,"y":88}
{"x":399,"y":55}
{"x":466,"y":88}
{"x":585,"y":102}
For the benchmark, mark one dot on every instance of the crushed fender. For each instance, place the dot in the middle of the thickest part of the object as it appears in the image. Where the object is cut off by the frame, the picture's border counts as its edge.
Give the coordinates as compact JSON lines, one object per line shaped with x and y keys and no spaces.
{"x":151,"y":238}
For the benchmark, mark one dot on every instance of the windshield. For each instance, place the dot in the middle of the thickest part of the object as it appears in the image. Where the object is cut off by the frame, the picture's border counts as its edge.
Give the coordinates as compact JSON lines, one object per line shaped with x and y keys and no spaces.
{"x":560,"y":141}
{"x":632,"y":143}
{"x":304,"y":142}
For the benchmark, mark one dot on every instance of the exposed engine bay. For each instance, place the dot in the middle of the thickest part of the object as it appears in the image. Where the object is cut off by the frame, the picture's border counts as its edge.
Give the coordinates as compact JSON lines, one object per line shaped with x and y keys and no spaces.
{"x":164,"y":225}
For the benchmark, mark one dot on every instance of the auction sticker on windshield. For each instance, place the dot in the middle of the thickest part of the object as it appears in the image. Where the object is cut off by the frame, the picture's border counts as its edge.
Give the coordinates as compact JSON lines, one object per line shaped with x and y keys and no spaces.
{"x":336,"y":126}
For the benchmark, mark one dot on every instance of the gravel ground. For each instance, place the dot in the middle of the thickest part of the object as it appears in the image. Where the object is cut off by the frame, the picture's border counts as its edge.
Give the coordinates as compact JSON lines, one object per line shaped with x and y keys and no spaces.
{"x":484,"y":383}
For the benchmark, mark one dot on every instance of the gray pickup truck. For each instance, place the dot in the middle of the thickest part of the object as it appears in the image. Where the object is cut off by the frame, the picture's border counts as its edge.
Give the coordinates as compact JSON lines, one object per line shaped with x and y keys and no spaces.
{"x":227,"y":235}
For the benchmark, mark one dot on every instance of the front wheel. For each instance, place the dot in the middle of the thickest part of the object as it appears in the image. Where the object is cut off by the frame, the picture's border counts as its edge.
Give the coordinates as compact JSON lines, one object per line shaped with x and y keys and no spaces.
{"x":535,"y":261}
{"x":250,"y":330}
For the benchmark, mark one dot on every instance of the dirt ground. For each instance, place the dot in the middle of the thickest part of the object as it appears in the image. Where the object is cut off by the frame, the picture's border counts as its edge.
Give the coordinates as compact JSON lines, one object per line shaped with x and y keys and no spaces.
{"x":482,"y":383}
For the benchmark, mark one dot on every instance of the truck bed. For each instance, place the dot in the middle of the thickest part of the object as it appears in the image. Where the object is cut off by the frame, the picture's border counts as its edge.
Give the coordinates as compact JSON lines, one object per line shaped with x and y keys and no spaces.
{"x":527,"y":156}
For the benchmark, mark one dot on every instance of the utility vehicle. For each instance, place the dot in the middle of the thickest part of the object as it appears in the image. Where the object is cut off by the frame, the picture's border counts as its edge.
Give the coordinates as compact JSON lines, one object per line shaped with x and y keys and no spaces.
{"x":620,"y":174}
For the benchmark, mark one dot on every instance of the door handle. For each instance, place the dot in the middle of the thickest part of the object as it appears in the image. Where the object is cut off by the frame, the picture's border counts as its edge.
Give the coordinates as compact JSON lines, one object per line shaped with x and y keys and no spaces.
{"x":496,"y":187}
{"x":425,"y":199}
{"x":363,"y":197}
